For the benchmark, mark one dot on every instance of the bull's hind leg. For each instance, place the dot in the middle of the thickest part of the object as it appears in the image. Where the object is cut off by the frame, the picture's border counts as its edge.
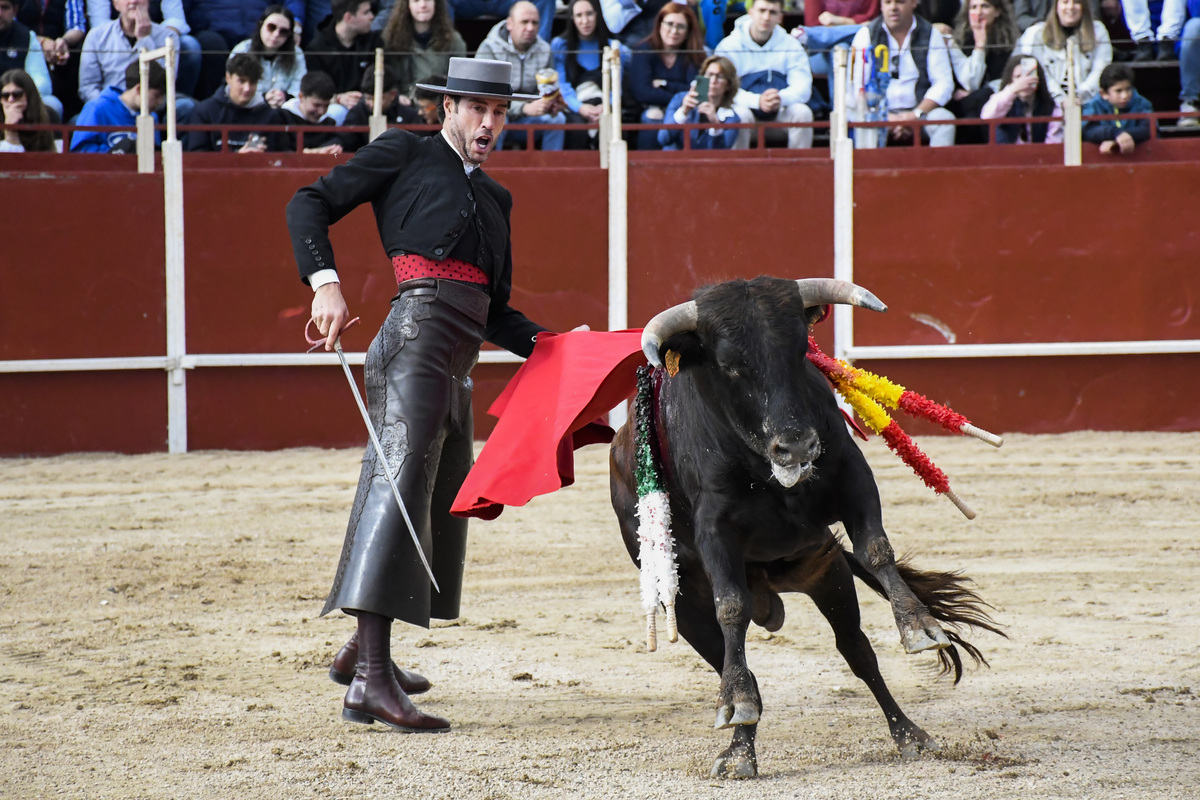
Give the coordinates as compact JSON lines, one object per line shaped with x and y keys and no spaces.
{"x":696,"y":614}
{"x":837,"y":599}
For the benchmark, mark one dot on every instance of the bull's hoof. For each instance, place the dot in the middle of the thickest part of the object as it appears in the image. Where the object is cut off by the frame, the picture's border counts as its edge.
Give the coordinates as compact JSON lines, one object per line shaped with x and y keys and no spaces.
{"x":742,"y":713}
{"x":920,"y":638}
{"x":912,"y":748}
{"x":738,"y":761}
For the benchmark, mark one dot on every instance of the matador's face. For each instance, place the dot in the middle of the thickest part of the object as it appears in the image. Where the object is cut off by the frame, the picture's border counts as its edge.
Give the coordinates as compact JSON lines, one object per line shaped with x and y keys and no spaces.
{"x":473,"y":125}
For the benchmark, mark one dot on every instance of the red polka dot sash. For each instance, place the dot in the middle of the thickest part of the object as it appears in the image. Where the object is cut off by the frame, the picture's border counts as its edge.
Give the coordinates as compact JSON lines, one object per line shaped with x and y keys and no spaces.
{"x":411,"y":266}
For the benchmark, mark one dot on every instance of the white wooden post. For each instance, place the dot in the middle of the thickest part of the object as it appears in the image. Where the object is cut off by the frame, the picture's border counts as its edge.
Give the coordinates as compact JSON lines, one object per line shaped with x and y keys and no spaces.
{"x":145,"y":123}
{"x":618,"y":220}
{"x":606,"y":105}
{"x":1072,"y":116}
{"x":843,"y":206}
{"x":377,"y":124}
{"x":172,"y":157}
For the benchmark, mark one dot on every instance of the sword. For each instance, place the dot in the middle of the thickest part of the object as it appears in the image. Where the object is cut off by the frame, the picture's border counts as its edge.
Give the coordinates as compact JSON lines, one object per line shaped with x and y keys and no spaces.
{"x":362,"y":409}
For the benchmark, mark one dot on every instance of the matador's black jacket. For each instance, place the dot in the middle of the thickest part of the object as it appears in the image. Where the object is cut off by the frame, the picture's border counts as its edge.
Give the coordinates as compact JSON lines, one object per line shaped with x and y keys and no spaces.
{"x":425,"y":204}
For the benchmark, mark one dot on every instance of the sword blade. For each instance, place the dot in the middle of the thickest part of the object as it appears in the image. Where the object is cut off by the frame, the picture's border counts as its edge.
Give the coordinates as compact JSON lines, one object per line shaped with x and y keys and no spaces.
{"x":362,"y":409}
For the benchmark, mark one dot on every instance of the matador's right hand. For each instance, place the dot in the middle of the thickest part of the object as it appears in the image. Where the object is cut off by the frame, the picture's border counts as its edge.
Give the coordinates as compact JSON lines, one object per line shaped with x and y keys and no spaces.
{"x":329,"y":312}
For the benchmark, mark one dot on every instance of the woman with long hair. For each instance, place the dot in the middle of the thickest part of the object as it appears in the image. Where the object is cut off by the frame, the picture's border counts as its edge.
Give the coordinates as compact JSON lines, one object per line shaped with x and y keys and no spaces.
{"x":1023,"y":95}
{"x":577,"y":58}
{"x":21,"y":104}
{"x":719,"y":82}
{"x":983,"y":37}
{"x":1047,"y":42}
{"x":663,"y":65}
{"x":420,"y":39}
{"x":274,"y":44}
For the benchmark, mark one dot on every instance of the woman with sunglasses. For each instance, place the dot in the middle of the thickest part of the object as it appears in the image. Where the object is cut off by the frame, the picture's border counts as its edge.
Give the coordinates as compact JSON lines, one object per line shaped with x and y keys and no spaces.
{"x":662,"y":65}
{"x":274,"y":43}
{"x":21,"y":104}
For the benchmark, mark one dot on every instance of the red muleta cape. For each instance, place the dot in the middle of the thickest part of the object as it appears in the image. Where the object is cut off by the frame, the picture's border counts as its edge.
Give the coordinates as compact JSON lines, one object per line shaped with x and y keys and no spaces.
{"x":554,"y":405}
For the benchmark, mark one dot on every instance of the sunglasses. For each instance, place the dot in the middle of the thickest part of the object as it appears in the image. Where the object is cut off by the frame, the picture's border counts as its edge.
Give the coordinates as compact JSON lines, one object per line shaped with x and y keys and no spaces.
{"x":273,"y":28}
{"x":15,"y":94}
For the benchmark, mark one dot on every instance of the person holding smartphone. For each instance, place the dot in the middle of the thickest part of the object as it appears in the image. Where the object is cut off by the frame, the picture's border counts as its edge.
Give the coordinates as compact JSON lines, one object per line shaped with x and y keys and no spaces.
{"x":1023,"y":95}
{"x":709,"y":99}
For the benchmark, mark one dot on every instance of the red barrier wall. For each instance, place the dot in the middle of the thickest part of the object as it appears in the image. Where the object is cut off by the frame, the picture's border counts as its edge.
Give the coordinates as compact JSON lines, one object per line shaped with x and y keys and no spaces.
{"x":1016,"y":252}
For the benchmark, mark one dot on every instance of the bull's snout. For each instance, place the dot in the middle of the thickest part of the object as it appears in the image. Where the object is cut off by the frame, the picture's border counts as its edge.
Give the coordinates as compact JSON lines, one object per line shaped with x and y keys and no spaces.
{"x":789,"y":449}
{"x":792,"y":454}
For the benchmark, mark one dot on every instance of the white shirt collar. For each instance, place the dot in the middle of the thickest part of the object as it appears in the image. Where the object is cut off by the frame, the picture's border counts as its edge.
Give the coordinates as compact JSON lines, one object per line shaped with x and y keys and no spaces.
{"x":468,"y":167}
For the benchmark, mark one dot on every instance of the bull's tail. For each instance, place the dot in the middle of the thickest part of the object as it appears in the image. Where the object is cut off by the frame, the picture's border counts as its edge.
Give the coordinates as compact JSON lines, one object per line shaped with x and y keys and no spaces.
{"x":949,"y":600}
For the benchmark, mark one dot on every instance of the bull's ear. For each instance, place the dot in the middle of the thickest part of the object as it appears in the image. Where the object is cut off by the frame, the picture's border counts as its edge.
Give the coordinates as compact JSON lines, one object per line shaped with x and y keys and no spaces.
{"x":681,"y":351}
{"x":814,"y":314}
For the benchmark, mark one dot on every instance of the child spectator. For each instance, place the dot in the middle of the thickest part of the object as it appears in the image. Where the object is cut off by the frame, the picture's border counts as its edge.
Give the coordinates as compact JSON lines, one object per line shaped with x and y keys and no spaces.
{"x":1117,"y":96}
{"x":663,"y":65}
{"x":237,"y":103}
{"x":429,"y":102}
{"x":274,"y":45}
{"x":311,"y":108}
{"x":116,"y":107}
{"x":344,"y":49}
{"x":1047,"y":41}
{"x":393,"y":110}
{"x":22,"y":104}
{"x":420,"y":39}
{"x":1023,"y":94}
{"x":716,"y":107}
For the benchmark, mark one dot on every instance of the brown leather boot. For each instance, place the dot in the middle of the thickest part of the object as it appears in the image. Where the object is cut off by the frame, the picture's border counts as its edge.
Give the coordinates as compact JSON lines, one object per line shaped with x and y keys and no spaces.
{"x":374,"y":694}
{"x":344,"y":663}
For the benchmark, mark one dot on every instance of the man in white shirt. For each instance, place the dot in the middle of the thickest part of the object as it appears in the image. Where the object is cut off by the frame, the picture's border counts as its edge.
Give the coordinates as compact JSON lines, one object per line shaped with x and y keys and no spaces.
{"x":922,"y":80}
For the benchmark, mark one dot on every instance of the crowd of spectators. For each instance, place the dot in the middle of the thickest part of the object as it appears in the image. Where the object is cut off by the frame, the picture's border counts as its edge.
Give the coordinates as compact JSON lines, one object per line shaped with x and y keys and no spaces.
{"x":312,"y":63}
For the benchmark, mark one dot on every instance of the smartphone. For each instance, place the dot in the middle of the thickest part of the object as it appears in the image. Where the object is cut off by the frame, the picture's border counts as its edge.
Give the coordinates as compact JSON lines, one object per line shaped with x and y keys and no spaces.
{"x":702,"y":89}
{"x":1030,"y":65}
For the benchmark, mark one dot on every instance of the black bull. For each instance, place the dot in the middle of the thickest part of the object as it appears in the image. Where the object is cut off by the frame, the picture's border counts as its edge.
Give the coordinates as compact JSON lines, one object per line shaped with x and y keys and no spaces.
{"x":758,"y":465}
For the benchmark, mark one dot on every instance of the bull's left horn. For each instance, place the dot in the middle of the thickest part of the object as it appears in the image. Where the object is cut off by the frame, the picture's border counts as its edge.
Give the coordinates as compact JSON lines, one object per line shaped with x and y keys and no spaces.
{"x":819,"y":291}
{"x":676,"y":319}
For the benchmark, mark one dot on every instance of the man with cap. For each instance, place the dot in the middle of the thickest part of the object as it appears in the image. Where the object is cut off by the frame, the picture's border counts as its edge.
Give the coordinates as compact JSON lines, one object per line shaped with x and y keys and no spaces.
{"x":445,"y":226}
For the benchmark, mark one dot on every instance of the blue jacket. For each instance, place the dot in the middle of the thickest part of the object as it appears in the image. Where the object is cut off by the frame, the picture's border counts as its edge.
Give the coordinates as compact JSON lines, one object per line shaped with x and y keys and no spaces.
{"x":107,"y":109}
{"x":588,"y":59}
{"x":723,"y":139}
{"x":1098,"y":131}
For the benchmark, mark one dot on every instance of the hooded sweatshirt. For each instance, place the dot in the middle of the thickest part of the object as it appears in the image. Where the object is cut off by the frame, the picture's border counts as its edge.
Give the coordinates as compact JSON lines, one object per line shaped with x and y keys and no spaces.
{"x":108,"y":109}
{"x":780,"y":64}
{"x":220,"y":110}
{"x":525,"y":65}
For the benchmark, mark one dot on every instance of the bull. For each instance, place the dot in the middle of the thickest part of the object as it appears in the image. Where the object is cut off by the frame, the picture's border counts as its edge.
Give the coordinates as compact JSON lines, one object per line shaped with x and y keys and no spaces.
{"x":758,"y":464}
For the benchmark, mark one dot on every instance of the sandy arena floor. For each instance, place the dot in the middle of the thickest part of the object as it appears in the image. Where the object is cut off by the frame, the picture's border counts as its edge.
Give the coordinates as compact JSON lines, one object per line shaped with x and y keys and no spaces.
{"x":159,"y":638}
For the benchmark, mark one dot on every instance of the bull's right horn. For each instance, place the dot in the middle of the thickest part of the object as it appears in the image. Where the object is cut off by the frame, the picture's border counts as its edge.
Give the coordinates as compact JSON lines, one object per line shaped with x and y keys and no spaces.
{"x":819,"y":291}
{"x":676,"y":319}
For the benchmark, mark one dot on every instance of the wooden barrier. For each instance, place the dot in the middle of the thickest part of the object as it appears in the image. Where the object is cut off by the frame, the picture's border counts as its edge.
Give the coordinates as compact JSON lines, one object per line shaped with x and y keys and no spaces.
{"x":1015,"y":252}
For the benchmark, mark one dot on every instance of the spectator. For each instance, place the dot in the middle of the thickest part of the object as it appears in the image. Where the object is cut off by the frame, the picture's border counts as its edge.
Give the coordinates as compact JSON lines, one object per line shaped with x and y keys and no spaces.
{"x":473,"y":9}
{"x":393,"y":110}
{"x":111,"y":47}
{"x":1137,"y":21}
{"x":516,"y":41}
{"x":1031,"y":12}
{"x":776,"y":80}
{"x":20,"y":49}
{"x":663,"y":65}
{"x":173,"y":14}
{"x":310,"y":108}
{"x":428,"y":102}
{"x":1023,"y":94}
{"x":1047,"y":41}
{"x":60,"y":27}
{"x":577,"y":55}
{"x":344,"y":49}
{"x":922,"y":77}
{"x":117,"y":107}
{"x":423,"y":35}
{"x":1181,"y":22}
{"x":237,"y":20}
{"x":1117,"y":96}
{"x":828,"y":23}
{"x":274,"y":45}
{"x":21,"y":104}
{"x":631,"y":22}
{"x":983,"y":39}
{"x":237,"y":103}
{"x":716,"y":107}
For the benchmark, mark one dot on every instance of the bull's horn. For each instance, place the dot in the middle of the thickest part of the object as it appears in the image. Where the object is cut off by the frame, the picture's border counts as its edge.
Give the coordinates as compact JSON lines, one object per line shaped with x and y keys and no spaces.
{"x":666,"y":324}
{"x":819,"y":291}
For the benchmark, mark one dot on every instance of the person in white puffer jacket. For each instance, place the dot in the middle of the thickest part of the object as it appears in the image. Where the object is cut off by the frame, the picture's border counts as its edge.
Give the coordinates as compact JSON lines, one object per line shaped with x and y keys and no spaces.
{"x":776,"y":80}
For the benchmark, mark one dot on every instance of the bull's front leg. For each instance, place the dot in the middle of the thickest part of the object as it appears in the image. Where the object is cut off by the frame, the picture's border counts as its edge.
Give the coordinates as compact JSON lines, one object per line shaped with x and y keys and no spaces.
{"x":919,"y":631}
{"x":740,"y":703}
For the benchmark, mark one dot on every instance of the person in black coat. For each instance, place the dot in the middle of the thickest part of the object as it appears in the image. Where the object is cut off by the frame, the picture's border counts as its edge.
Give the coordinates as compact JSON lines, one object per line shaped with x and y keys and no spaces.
{"x":237,"y":103}
{"x":445,"y":225}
